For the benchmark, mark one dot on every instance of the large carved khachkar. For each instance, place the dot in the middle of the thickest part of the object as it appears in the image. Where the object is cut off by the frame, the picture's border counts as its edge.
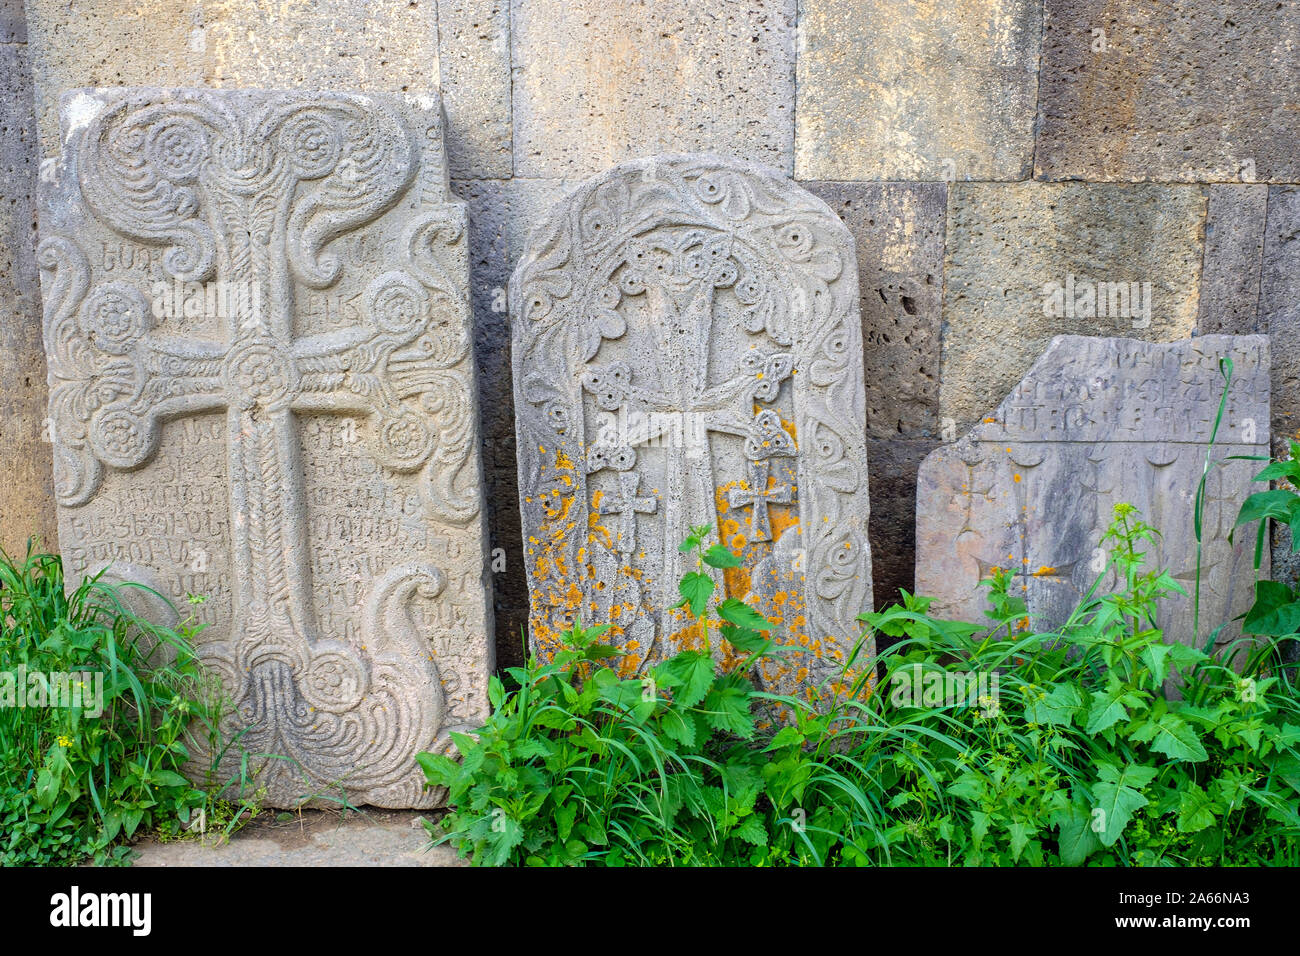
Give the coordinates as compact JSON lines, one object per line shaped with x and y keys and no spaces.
{"x":261,"y":391}
{"x":688,"y":351}
{"x":1095,"y":422}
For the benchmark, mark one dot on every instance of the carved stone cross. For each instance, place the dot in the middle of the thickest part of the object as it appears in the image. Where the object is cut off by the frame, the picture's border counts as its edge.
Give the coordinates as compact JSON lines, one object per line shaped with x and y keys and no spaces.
{"x":1094,"y":423}
{"x":687,"y":327}
{"x":757,"y":496}
{"x":260,"y":193}
{"x":678,"y":273}
{"x":627,"y":506}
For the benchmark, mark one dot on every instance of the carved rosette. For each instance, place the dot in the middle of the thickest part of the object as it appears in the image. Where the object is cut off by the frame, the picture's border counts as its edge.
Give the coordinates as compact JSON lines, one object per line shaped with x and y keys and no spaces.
{"x":254,"y":190}
{"x":693,"y":320}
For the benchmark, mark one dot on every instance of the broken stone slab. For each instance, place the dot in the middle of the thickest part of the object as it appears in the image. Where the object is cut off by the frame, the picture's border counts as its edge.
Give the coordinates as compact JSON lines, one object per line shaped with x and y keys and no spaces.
{"x":1098,"y":421}
{"x":688,"y":351}
{"x":262,"y":393}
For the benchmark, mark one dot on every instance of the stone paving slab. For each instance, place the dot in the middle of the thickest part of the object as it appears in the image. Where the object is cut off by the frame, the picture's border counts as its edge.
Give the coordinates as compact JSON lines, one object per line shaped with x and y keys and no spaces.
{"x":311,"y":838}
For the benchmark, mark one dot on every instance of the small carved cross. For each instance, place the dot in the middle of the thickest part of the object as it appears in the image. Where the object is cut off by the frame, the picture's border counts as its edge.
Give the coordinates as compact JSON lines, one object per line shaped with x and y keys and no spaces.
{"x":627,"y":506}
{"x":759,"y":495}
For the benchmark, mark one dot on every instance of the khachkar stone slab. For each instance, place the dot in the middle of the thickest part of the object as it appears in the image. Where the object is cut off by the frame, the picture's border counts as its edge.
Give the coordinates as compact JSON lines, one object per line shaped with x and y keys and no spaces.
{"x":1099,"y":421}
{"x":257,"y":325}
{"x":688,"y":351}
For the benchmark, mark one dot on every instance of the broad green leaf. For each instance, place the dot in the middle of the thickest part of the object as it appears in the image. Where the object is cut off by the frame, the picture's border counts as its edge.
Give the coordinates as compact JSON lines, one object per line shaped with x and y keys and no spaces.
{"x":1117,"y":794}
{"x":696,"y":588}
{"x":168,"y":778}
{"x":679,"y":724}
{"x":565,"y":814}
{"x":785,"y":737}
{"x":1056,"y":705}
{"x":1275,"y":470}
{"x":1195,"y":810}
{"x":745,"y":640}
{"x":1155,"y":655}
{"x":1020,"y":835}
{"x":496,"y":691}
{"x":1276,"y":612}
{"x":751,"y":830}
{"x":1177,"y":739}
{"x":1106,"y":711}
{"x":742,"y":615}
{"x":691,"y":672}
{"x":718,"y":556}
{"x":1266,"y":504}
{"x":1077,"y":839}
{"x":726,"y":708}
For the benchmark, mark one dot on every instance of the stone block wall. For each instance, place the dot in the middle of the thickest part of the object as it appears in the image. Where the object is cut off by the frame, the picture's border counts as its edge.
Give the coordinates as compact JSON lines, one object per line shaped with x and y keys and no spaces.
{"x":979,"y":151}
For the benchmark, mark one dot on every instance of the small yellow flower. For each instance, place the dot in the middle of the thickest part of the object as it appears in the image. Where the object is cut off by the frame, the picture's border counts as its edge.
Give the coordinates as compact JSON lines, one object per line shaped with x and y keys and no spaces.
{"x":65,"y":741}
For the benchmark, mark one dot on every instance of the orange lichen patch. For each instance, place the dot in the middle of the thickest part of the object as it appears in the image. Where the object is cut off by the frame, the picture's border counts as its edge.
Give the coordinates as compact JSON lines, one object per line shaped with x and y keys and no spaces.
{"x":736,"y":581}
{"x":556,"y":594}
{"x":782,"y":518}
{"x":1016,"y":479}
{"x":683,"y":632}
{"x":629,"y":665}
{"x":790,"y":430}
{"x":597,"y":531}
{"x":722,"y":501}
{"x":1044,"y":571}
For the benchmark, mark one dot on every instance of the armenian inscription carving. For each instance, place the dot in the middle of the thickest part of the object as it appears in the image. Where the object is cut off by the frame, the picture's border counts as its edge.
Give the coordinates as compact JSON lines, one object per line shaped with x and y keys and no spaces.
{"x":1098,"y":421}
{"x":688,"y":351}
{"x":261,"y":391}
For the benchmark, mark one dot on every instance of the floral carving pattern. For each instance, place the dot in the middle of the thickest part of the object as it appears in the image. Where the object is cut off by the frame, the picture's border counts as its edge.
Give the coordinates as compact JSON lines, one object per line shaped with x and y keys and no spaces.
{"x":690,"y":325}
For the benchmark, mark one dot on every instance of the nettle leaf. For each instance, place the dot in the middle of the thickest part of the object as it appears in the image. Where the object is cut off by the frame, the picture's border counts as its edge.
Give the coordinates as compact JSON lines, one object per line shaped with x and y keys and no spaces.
{"x":1117,"y":794}
{"x":1196,"y":810}
{"x":679,"y":724}
{"x":751,"y":830}
{"x":726,"y":708}
{"x":745,"y":640}
{"x":691,"y":672}
{"x":533,"y":747}
{"x":742,"y":615}
{"x":696,"y":588}
{"x":720,"y":557}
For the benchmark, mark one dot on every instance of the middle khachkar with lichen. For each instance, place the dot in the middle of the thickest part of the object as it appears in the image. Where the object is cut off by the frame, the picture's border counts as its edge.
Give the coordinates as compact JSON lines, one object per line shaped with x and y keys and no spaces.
{"x":688,"y":351}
